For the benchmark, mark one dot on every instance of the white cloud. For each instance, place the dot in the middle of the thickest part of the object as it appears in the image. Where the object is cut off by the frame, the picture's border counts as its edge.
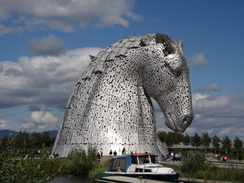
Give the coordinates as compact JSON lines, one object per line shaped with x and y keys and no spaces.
{"x":43,"y":117}
{"x":217,"y":115}
{"x":5,"y":29}
{"x":209,"y":88}
{"x":3,"y":124}
{"x":191,"y":130}
{"x":224,"y":132}
{"x":197,"y":60}
{"x":40,"y":121}
{"x":42,"y":80}
{"x":49,"y":45}
{"x":66,"y":15}
{"x":27,"y":125}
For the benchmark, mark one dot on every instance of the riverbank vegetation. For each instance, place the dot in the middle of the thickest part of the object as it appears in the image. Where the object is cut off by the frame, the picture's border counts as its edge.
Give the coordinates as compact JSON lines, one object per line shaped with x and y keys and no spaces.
{"x":177,"y":142}
{"x":16,"y":168}
{"x":196,"y":166}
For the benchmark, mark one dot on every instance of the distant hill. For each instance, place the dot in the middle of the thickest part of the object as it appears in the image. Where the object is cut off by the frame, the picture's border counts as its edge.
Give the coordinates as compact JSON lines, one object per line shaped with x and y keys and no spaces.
{"x":7,"y":132}
{"x":53,"y":133}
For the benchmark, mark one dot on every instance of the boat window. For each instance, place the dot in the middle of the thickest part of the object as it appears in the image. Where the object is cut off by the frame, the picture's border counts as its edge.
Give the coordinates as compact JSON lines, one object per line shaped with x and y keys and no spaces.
{"x":148,"y":170}
{"x":114,"y":164}
{"x":122,"y":164}
{"x":139,"y":170}
{"x":143,"y":159}
{"x":134,"y":160}
{"x":154,"y":159}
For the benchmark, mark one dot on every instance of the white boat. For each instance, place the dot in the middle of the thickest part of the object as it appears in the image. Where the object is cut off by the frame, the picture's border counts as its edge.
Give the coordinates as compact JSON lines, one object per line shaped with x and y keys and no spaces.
{"x":137,"y":167}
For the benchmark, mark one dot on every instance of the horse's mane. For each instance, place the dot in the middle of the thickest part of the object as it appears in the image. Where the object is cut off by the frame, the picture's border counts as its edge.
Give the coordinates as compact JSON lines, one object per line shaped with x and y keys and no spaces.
{"x":119,"y":48}
{"x":91,"y":77}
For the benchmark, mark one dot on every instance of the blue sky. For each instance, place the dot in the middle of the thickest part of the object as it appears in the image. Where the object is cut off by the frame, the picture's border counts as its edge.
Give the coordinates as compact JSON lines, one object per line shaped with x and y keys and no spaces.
{"x":45,"y":46}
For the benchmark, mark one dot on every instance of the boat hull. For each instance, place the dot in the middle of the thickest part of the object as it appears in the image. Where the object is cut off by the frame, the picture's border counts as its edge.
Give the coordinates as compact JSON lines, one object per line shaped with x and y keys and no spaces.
{"x":136,"y":177}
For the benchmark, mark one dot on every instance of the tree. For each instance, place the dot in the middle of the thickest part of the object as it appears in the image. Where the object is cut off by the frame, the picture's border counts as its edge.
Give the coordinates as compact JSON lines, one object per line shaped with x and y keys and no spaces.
{"x":238,"y":144}
{"x":226,"y":144}
{"x":16,"y":169}
{"x":186,"y":140}
{"x":178,"y":137}
{"x":168,"y":138}
{"x":47,"y":139}
{"x":22,"y":140}
{"x":206,"y":141}
{"x":36,"y":140}
{"x":216,"y":143}
{"x":4,"y":141}
{"x":196,"y":142}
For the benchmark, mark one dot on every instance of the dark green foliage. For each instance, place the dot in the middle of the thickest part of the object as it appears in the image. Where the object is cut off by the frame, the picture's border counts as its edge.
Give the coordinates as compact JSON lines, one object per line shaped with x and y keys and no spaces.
{"x":226,"y":144}
{"x":186,"y":140}
{"x":47,"y":139}
{"x":14,"y":168}
{"x":28,"y":142}
{"x":99,"y":169}
{"x":36,"y":140}
{"x":216,"y":143}
{"x":82,"y":162}
{"x":196,"y":142}
{"x":218,"y":174}
{"x":170,"y":138}
{"x":194,"y":162}
{"x":206,"y":141}
{"x":238,"y":144}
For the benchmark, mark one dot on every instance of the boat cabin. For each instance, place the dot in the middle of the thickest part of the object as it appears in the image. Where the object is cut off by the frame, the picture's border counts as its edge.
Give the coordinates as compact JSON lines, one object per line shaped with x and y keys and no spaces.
{"x":122,"y":163}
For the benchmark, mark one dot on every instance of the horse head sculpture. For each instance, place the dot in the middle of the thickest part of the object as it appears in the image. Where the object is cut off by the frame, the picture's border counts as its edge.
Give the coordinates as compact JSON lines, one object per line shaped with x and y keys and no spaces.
{"x":166,"y":79}
{"x":111,"y":106}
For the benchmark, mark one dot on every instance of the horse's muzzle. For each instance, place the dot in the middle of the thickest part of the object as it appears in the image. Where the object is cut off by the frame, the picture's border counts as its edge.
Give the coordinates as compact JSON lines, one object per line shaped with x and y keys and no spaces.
{"x":180,"y":126}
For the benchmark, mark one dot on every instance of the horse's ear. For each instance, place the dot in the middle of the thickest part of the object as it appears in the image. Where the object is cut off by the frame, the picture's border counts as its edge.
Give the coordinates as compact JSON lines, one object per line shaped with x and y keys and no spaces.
{"x":181,"y":45}
{"x":91,"y":57}
{"x":174,"y":63}
{"x":142,"y":43}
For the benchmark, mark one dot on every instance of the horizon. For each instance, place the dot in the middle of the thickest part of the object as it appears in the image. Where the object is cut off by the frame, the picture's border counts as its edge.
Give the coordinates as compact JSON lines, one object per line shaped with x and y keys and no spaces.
{"x":232,"y":139}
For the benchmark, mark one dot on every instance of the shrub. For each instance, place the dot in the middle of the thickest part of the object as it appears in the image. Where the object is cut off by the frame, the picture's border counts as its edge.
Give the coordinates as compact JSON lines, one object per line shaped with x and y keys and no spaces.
{"x":194,"y":162}
{"x":16,"y":169}
{"x":99,"y":169}
{"x":82,"y":162}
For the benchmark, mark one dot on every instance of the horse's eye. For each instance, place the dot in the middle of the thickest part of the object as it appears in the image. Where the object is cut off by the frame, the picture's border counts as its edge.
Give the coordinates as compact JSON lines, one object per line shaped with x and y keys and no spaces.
{"x":177,"y":72}
{"x":166,"y":52}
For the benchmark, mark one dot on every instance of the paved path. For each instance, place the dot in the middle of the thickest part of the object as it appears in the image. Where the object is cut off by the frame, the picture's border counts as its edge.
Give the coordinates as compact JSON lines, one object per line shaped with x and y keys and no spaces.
{"x":228,"y":164}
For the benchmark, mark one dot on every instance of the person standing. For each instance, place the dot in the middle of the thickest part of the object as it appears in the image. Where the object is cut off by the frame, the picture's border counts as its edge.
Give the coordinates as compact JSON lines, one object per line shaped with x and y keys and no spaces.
{"x":124,"y":151}
{"x":101,"y":152}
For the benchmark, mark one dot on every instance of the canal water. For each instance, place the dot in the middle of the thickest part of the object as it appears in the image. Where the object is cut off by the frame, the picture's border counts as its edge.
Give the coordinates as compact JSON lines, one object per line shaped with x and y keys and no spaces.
{"x":71,"y":179}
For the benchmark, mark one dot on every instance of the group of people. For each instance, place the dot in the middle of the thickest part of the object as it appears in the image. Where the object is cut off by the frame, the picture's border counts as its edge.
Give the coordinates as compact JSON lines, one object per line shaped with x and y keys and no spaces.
{"x":53,"y":155}
{"x":111,"y":152}
{"x":174,"y":156}
{"x":100,"y":154}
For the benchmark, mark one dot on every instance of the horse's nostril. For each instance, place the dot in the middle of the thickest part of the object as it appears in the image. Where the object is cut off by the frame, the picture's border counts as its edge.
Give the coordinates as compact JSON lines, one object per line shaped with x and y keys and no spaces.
{"x":184,"y":120}
{"x":187,"y":119}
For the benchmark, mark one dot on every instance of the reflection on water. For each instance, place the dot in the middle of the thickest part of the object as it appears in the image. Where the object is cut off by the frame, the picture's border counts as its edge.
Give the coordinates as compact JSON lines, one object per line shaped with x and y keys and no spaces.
{"x":71,"y":179}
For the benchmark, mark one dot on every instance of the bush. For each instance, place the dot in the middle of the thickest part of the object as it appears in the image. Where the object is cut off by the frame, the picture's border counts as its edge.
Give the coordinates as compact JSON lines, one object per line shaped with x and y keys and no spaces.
{"x":194,"y":162}
{"x":16,"y":169}
{"x":99,"y":169}
{"x":82,"y":162}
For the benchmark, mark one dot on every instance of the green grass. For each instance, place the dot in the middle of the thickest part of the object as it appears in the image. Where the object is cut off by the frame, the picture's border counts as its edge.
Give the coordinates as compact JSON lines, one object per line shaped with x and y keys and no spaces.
{"x":213,"y":173}
{"x":99,"y":169}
